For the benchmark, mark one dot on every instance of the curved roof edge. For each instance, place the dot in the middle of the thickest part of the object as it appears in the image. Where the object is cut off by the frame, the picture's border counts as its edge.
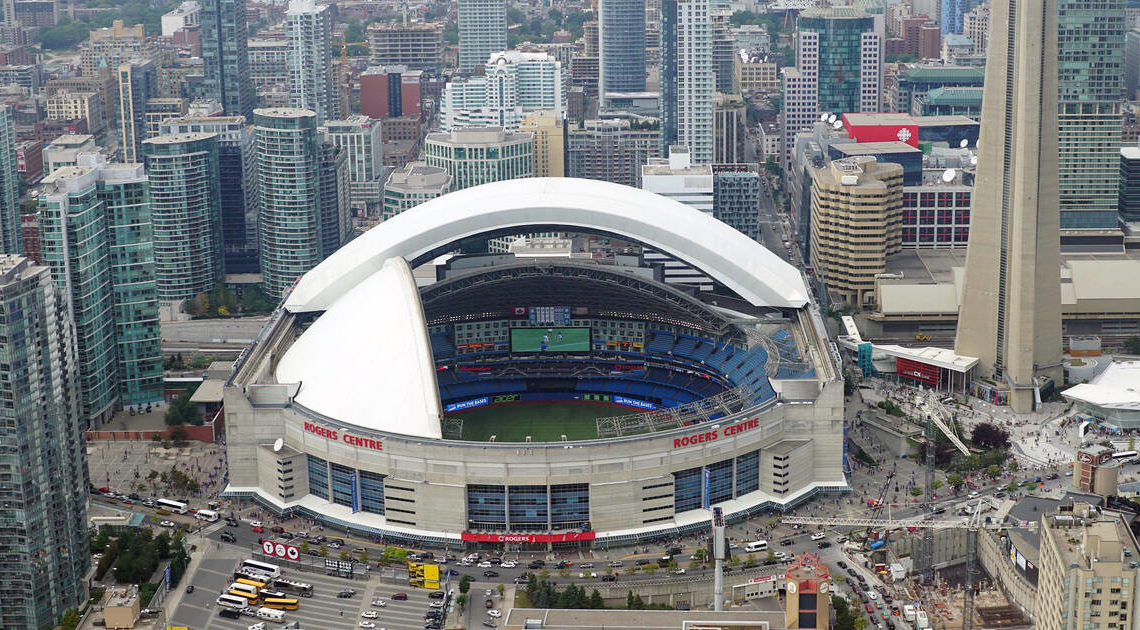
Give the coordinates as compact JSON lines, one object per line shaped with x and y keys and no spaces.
{"x":726,"y":255}
{"x":374,"y":343}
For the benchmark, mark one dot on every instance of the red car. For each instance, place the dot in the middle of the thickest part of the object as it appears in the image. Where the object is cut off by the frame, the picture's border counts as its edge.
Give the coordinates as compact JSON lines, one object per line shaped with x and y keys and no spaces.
{"x":277,"y":529}
{"x":400,"y":596}
{"x":259,"y":530}
{"x":870,"y":608}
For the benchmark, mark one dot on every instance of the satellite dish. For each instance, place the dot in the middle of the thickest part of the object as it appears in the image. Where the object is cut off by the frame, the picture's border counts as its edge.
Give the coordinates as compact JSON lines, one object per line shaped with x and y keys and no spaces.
{"x":278,"y":445}
{"x":823,"y":117}
{"x":948,"y":175}
{"x":831,"y":118}
{"x":978,"y":145}
{"x":964,"y":143}
{"x":974,"y":160}
{"x":837,"y":124}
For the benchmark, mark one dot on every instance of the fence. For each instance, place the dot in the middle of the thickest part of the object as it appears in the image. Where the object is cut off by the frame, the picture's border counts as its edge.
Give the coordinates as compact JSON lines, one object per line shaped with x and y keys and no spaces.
{"x":199,"y":433}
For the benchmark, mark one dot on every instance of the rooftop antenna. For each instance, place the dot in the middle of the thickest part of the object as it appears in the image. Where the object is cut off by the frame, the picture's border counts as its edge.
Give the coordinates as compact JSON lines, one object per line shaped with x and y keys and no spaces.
{"x":948,"y":175}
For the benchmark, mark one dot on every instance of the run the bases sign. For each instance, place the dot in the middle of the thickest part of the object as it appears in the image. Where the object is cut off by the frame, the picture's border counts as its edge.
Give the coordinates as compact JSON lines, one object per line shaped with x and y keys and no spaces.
{"x":280,"y":550}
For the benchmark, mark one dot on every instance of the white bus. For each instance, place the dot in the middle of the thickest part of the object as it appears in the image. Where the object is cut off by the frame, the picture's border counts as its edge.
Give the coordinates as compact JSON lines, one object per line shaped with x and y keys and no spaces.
{"x":209,"y":516}
{"x":173,"y":506}
{"x":1124,"y":455}
{"x":759,"y":545}
{"x":270,"y":615}
{"x":232,"y":601}
{"x":243,"y":588}
{"x":271,"y":570}
{"x":293,"y":586}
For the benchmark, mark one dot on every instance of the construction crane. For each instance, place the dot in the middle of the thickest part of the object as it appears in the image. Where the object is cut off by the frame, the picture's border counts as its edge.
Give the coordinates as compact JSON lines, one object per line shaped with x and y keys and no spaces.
{"x":972,"y":525}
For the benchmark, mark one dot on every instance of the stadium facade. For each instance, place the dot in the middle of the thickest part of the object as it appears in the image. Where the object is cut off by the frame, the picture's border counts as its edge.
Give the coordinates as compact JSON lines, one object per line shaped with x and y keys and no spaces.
{"x":344,"y":409}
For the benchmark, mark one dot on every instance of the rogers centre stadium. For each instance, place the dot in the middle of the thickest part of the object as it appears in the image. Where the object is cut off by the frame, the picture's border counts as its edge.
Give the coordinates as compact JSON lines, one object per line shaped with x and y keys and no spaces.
{"x":538,"y":400}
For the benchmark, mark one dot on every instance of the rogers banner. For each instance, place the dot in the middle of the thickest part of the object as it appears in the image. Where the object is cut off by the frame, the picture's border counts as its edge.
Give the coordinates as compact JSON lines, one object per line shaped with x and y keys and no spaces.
{"x":528,"y":538}
{"x":280,"y":550}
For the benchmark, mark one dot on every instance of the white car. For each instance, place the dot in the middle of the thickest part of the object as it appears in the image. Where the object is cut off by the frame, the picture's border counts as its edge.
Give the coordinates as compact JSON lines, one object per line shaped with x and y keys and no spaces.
{"x":679,"y":572}
{"x":166,"y":523}
{"x":369,"y":614}
{"x":379,"y":603}
{"x":509,"y":564}
{"x":818,"y":536}
{"x":435,"y":605}
{"x":367,"y":624}
{"x":494,"y":613}
{"x":484,"y":565}
{"x":256,"y":524}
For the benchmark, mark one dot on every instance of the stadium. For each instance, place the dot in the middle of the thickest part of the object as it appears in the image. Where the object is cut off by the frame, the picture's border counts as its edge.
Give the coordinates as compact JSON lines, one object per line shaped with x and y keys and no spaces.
{"x":545,"y":401}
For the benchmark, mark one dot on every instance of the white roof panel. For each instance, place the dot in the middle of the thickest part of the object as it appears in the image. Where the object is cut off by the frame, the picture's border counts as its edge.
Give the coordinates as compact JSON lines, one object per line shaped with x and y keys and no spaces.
{"x":1117,"y":387}
{"x":723,"y":253}
{"x":367,"y":361}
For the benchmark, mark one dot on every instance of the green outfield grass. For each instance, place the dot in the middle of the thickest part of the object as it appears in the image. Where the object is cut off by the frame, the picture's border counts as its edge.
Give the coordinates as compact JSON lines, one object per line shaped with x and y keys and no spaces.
{"x":543,"y":422}
{"x":556,"y":339}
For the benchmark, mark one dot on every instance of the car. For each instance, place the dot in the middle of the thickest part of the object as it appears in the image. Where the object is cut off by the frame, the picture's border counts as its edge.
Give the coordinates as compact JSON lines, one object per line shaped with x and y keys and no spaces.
{"x":135,"y":496}
{"x":494,"y":613}
{"x":537,"y":564}
{"x":346,"y":593}
{"x":109,"y":495}
{"x":257,"y":529}
{"x":609,"y":578}
{"x":521,"y":580}
{"x":369,"y":614}
{"x":584,"y":575}
{"x":870,"y":608}
{"x":488,"y":623}
{"x":818,"y":536}
{"x":436,"y":595}
{"x":490,"y":592}
{"x":484,"y":565}
{"x":367,"y":624}
{"x":509,"y":564}
{"x":679,"y":572}
{"x":400,"y":596}
{"x":189,"y":588}
{"x":277,"y":529}
{"x":787,"y":542}
{"x":841,"y":564}
{"x":490,"y":603}
{"x":1069,"y":474}
{"x":229,"y":613}
{"x":379,"y":603}
{"x":436,"y":605}
{"x":490,"y":574}
{"x":641,"y":563}
{"x":453,"y":572}
{"x":227,"y":536}
{"x":872,"y":595}
{"x":232,"y":522}
{"x":851,"y":572}
{"x":334,"y":544}
{"x":566,"y":564}
{"x":974,"y":494}
{"x":615,"y":564}
{"x":586,"y":565}
{"x":151,"y":503}
{"x":823,"y":544}
{"x":1053,"y":476}
{"x":256,"y":524}
{"x":166,"y":523}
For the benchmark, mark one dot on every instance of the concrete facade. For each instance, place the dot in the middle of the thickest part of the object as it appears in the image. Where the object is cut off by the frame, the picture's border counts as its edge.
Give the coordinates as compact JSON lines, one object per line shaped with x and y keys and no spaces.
{"x":1010,"y":316}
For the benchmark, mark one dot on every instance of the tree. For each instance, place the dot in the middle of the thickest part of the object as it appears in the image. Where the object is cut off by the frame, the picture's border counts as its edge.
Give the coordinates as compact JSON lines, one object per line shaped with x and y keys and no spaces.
{"x":344,"y":554}
{"x":1132,"y":345}
{"x":936,"y":484}
{"x":596,"y":602}
{"x":1013,"y":466}
{"x":464,"y":584}
{"x":916,"y":492}
{"x":988,"y":435}
{"x":182,"y":411}
{"x":502,"y":590}
{"x":323,"y":552}
{"x":993,"y":471}
{"x":364,"y":558}
{"x":70,"y":619}
{"x":461,"y":600}
{"x":305,"y":548}
{"x":955,"y":480}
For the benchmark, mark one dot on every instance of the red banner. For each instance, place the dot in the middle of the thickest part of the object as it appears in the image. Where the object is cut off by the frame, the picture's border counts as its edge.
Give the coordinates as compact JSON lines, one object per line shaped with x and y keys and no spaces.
{"x":281,"y":550}
{"x":528,"y":538}
{"x":922,"y":372}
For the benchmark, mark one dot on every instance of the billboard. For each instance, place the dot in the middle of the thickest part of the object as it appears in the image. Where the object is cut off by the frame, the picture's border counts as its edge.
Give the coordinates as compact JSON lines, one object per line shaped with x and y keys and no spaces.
{"x":633,"y":402}
{"x":528,"y":538}
{"x":280,"y":550}
{"x":550,"y":339}
{"x":917,"y":371}
{"x":467,"y":404}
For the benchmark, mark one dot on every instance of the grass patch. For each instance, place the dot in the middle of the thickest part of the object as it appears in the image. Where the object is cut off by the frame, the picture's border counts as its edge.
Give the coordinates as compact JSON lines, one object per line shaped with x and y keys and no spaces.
{"x":543,"y":422}
{"x":861,"y":455}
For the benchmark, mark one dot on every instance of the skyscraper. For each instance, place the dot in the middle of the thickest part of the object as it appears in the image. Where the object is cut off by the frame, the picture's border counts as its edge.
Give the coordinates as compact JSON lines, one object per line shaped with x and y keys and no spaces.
{"x":336,"y":218}
{"x":696,"y":81}
{"x":480,"y":155}
{"x":225,"y":56}
{"x":621,"y":43}
{"x":612,"y":150}
{"x":288,"y":161}
{"x":185,"y":208}
{"x":138,"y":83}
{"x":1090,"y":36}
{"x":359,"y":137}
{"x":237,"y":184}
{"x":45,"y":465}
{"x":668,"y":72}
{"x":1010,"y":314}
{"x":952,"y":13}
{"x":10,"y":241}
{"x":482,"y":31}
{"x":311,"y":81}
{"x":514,"y":83}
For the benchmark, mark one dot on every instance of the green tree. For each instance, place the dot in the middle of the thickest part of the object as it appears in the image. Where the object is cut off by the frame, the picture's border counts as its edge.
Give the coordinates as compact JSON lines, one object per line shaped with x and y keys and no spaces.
{"x":936,"y":484}
{"x":182,"y":411}
{"x":1132,"y":345}
{"x":323,"y":552}
{"x":916,"y":492}
{"x":305,"y":548}
{"x":993,"y":470}
{"x":502,"y":590}
{"x":464,"y":584}
{"x":461,"y":600}
{"x":70,"y":619}
{"x":596,"y":602}
{"x":955,"y":480}
{"x":344,"y":555}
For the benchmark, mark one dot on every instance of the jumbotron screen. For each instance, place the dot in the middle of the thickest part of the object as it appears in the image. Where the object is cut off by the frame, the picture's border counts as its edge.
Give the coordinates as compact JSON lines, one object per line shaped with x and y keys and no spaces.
{"x":550,"y":339}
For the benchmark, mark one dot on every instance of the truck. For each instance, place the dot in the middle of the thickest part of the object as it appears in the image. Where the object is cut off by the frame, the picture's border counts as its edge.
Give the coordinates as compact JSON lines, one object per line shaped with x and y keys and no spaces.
{"x":923,"y":620}
{"x":908,"y":612}
{"x":270,"y":614}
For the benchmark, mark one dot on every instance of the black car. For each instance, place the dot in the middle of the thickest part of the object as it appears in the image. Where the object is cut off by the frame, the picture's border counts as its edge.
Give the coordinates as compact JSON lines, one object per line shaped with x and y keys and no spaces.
{"x":609,"y":578}
{"x":232,"y":522}
{"x":436,"y":595}
{"x":135,"y":496}
{"x":189,"y":588}
{"x":346,"y":593}
{"x":823,"y":544}
{"x":787,"y":542}
{"x":641,"y":563}
{"x":229,"y":613}
{"x":537,"y":564}
{"x":490,"y":574}
{"x":432,"y":625}
{"x":433,"y":614}
{"x":842,"y":564}
{"x":227,"y":537}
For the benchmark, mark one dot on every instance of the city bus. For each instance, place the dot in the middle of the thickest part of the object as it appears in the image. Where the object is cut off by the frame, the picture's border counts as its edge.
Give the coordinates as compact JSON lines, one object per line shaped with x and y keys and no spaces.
{"x":177,"y":507}
{"x":250,"y":574}
{"x":280,"y":603}
{"x":272,"y":570}
{"x":1125,"y":455}
{"x":250,"y":582}
{"x":232,"y":601}
{"x":209,"y":516}
{"x":293,"y":586}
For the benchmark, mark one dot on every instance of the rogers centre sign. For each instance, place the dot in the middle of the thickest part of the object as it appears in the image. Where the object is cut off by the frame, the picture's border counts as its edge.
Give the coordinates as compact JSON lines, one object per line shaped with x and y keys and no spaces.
{"x":527,"y":538}
{"x":347,"y":438}
{"x":716,"y":434}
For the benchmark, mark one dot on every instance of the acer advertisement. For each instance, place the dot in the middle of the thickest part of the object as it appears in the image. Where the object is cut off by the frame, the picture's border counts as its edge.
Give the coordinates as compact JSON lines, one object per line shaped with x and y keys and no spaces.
{"x":914,"y":370}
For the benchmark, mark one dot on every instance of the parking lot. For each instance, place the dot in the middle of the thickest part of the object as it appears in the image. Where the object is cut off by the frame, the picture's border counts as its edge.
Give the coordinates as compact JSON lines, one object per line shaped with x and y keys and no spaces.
{"x":324,"y":610}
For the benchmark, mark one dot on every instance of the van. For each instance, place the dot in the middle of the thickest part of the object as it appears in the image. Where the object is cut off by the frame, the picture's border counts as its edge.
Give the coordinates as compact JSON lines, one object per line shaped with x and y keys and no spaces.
{"x":270,"y":615}
{"x":922,"y":619}
{"x":759,"y":545}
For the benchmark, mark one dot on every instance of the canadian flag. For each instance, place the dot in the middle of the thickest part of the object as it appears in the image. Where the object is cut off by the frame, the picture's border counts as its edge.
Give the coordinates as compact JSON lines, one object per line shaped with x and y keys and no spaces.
{"x":520,"y":310}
